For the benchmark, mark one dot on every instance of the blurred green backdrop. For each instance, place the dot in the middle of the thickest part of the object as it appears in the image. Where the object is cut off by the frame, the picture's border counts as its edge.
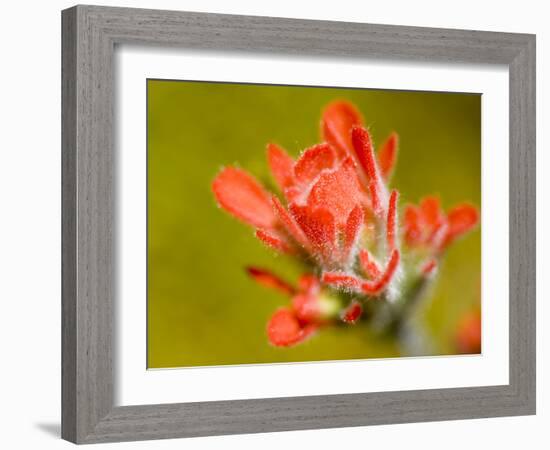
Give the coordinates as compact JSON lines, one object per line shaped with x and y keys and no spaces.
{"x":202,"y":307}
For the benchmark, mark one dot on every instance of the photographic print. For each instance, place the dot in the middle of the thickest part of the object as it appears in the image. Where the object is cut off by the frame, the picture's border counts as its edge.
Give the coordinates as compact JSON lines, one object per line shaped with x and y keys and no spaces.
{"x":296,"y":223}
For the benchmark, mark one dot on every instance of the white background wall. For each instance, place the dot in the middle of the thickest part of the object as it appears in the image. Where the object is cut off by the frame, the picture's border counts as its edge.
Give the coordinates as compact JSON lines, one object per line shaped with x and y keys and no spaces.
{"x":30,"y":223}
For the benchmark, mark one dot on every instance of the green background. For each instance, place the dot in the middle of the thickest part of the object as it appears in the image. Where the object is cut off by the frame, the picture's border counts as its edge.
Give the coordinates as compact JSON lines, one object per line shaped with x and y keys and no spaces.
{"x":202,"y":307}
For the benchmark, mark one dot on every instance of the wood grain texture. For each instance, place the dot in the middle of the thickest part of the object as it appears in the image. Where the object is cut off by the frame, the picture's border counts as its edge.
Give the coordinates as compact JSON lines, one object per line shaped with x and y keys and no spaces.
{"x":90,"y":34}
{"x":68,"y":225}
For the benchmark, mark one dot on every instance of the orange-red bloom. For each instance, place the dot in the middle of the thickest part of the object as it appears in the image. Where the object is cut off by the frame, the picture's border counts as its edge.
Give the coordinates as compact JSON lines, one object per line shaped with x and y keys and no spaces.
{"x":329,"y":191}
{"x":335,"y":210}
{"x":427,"y":224}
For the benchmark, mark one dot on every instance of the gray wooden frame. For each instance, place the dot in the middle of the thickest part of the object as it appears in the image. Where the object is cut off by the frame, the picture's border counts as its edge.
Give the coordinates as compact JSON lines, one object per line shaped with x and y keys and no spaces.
{"x":90,"y":34}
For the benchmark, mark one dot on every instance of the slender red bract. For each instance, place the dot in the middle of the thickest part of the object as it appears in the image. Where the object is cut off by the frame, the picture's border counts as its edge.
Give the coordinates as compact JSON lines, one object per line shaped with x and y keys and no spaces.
{"x":268,"y":279}
{"x":387,"y":156}
{"x":274,"y":240}
{"x":364,"y":152}
{"x":391,"y":225}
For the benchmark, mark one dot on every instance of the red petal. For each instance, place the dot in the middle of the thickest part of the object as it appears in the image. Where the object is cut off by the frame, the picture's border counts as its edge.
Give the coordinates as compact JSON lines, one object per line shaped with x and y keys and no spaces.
{"x":412,"y":223}
{"x":269,"y":280}
{"x":341,"y":279}
{"x":353,"y":312}
{"x":318,"y":225}
{"x":392,"y":220}
{"x":290,"y":224}
{"x":375,"y":287}
{"x":241,"y":195}
{"x":274,"y":240}
{"x":337,"y":191}
{"x":369,"y":264}
{"x":387,"y":156}
{"x":281,"y":166}
{"x":351,"y":232}
{"x":461,"y":219}
{"x":313,"y":161}
{"x":284,"y":329}
{"x":336,"y":123}
{"x":431,"y":211}
{"x":362,"y":145}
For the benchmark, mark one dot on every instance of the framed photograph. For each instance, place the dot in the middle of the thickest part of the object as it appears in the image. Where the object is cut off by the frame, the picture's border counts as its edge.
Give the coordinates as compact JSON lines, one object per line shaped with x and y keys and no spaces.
{"x":277,"y":224}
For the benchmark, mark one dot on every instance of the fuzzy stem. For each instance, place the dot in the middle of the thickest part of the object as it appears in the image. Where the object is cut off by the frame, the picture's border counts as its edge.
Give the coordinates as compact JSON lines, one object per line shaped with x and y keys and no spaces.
{"x":392,"y":318}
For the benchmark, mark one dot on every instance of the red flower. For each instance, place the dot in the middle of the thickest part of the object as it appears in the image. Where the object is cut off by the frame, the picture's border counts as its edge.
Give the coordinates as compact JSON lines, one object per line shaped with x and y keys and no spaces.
{"x":330,"y":190}
{"x":428,"y":226}
{"x":337,"y":212}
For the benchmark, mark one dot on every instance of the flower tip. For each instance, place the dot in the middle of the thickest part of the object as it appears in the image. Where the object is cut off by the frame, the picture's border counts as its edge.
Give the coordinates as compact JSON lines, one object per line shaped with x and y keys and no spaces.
{"x":337,"y":120}
{"x":241,"y":195}
{"x":271,"y":147}
{"x":361,"y":132}
{"x":358,"y":132}
{"x":352,"y":313}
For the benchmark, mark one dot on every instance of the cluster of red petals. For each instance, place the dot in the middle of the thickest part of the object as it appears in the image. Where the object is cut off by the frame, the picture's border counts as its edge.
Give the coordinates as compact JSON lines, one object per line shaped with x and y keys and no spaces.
{"x":330,"y":194}
{"x":427,"y":225}
{"x":329,"y":191}
{"x":292,"y":324}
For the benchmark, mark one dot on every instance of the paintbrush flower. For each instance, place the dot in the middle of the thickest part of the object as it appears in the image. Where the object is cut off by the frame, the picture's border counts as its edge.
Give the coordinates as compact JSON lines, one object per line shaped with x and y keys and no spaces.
{"x":336,"y":213}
